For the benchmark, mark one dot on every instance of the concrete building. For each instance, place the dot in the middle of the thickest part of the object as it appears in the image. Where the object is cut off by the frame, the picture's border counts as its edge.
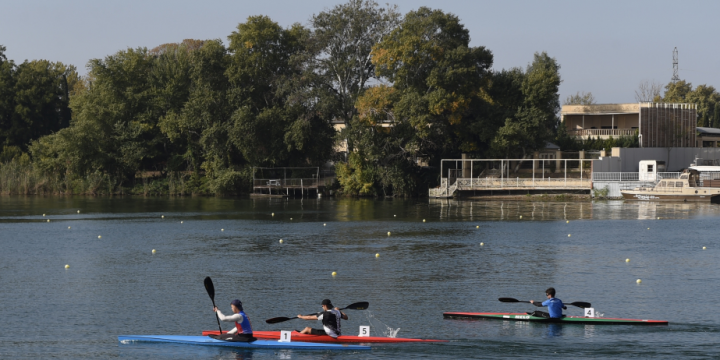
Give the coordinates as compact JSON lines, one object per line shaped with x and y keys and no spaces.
{"x":707,"y":137}
{"x":657,"y":124}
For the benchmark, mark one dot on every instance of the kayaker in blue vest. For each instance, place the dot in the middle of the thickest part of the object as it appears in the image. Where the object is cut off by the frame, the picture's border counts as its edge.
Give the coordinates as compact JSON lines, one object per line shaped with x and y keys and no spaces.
{"x":554,"y":305}
{"x":242,"y":330}
{"x":330,"y":318}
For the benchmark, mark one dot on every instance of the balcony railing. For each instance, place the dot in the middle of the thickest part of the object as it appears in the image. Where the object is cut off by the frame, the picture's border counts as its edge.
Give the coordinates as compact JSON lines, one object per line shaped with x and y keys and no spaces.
{"x":602,"y":132}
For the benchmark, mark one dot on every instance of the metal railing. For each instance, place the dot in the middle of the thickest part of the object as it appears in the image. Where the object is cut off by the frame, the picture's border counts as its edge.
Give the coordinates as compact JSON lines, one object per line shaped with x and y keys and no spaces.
{"x":524,"y":183}
{"x":602,"y":132}
{"x":281,"y":183}
{"x":615,"y":176}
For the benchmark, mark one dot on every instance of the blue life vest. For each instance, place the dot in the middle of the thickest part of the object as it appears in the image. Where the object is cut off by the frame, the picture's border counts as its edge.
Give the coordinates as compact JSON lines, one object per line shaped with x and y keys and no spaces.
{"x":244,"y":327}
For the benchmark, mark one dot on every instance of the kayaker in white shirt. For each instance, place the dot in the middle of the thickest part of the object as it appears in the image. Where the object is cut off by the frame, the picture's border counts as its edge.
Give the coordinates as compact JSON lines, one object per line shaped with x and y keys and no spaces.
{"x":242,"y":330}
{"x":330,"y":318}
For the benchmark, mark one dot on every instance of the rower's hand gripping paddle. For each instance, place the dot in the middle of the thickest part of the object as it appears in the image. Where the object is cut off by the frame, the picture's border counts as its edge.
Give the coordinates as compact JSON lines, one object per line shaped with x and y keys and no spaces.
{"x":356,"y":306}
{"x":580,"y":304}
{"x":211,"y":292}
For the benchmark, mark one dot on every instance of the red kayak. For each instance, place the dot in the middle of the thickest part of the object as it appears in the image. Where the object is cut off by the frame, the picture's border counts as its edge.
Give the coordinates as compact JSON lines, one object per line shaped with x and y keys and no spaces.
{"x":275,"y":335}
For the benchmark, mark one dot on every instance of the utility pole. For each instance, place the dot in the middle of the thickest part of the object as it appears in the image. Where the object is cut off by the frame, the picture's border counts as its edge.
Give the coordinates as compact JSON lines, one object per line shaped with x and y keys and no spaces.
{"x":675,"y":77}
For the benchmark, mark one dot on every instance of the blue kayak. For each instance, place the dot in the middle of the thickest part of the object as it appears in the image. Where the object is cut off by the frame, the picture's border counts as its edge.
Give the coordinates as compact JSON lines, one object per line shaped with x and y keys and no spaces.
{"x":258,"y":344}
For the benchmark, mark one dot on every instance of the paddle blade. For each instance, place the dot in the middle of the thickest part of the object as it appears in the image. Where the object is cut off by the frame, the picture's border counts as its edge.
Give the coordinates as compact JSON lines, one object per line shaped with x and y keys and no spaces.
{"x":280,"y":319}
{"x":363,"y":305}
{"x":581,"y":304}
{"x":508,"y":300}
{"x":210,"y":288}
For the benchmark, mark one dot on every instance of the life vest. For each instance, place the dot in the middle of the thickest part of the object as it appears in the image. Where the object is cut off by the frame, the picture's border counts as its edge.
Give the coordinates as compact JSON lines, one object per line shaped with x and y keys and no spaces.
{"x":331,"y":320}
{"x":244,"y":327}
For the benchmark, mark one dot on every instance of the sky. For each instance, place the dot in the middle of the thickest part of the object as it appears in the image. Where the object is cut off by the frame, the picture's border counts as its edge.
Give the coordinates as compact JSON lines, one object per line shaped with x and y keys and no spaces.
{"x":605,"y":47}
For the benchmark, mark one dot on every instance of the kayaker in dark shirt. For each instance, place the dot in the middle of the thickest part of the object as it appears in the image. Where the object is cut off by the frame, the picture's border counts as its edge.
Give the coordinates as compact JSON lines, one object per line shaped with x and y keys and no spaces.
{"x":242,"y":332}
{"x":555,"y":305}
{"x":330,"y":318}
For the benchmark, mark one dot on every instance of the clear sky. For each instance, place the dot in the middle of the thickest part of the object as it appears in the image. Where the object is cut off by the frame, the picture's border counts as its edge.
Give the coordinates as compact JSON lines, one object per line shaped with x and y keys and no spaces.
{"x":605,"y":47}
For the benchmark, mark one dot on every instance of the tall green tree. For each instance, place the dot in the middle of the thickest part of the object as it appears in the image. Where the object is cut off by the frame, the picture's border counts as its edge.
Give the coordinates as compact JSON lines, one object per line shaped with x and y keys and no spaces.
{"x":337,"y":54}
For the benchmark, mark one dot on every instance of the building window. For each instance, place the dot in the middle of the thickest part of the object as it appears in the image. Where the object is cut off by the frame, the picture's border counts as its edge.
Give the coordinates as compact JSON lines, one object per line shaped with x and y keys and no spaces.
{"x":650,"y":168}
{"x":708,"y":144}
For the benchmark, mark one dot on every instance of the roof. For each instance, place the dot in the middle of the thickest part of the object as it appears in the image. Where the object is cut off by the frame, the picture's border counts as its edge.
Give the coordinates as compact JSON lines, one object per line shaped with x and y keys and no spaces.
{"x":549,"y":145}
{"x":708,"y":130}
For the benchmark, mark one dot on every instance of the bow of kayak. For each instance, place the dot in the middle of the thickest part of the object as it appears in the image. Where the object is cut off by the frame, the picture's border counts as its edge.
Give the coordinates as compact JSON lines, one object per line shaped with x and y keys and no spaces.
{"x":564,"y":320}
{"x":295,"y":336}
{"x":258,"y":344}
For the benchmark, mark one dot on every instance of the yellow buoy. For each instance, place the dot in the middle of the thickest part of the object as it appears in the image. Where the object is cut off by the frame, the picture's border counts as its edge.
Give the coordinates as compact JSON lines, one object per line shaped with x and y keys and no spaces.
{"x":521,"y":216}
{"x":222,"y":229}
{"x":43,"y":214}
{"x":290,"y":218}
{"x":181,"y":222}
{"x":273,"y":214}
{"x":78,"y":211}
{"x":99,"y":237}
{"x":627,"y":260}
{"x":281,"y":241}
{"x":334,"y":273}
{"x":48,"y":220}
{"x":482,"y":244}
{"x":423,"y":220}
{"x":67,"y":266}
{"x":68,"y":227}
{"x":477,"y":227}
{"x":567,"y":221}
{"x":153,"y":251}
{"x":324,"y":224}
{"x":163,"y":216}
{"x":648,"y":228}
{"x":704,"y":247}
{"x":569,"y":235}
{"x":394,"y":215}
{"x":658,"y":218}
{"x":388,"y":233}
{"x":638,"y":281}
{"x":377,"y":255}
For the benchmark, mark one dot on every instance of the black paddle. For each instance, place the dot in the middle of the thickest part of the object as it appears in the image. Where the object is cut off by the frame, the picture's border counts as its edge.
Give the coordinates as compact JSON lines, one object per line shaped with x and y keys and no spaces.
{"x":356,"y":306}
{"x":211,"y":292}
{"x":580,"y":304}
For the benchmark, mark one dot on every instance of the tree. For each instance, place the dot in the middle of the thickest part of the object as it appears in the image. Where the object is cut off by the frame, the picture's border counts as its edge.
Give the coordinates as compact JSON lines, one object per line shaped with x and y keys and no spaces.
{"x":648,"y":91}
{"x":38,"y":97}
{"x":580,"y":98}
{"x":676,"y":92}
{"x":338,"y":53}
{"x":707,"y":99}
{"x":535,"y":121}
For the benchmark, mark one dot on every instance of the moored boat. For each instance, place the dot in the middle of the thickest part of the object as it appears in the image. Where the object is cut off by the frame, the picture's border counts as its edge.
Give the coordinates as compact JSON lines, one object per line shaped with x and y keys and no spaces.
{"x":564,"y":320}
{"x":258,"y":344}
{"x":686,"y":188}
{"x":295,"y":336}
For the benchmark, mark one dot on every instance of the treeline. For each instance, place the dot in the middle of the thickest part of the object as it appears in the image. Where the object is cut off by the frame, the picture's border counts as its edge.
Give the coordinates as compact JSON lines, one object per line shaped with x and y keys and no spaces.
{"x":196,"y":116}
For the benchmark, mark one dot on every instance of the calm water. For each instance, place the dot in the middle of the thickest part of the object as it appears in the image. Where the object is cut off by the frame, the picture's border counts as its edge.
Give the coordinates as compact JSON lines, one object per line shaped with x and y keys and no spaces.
{"x":115,"y":285}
